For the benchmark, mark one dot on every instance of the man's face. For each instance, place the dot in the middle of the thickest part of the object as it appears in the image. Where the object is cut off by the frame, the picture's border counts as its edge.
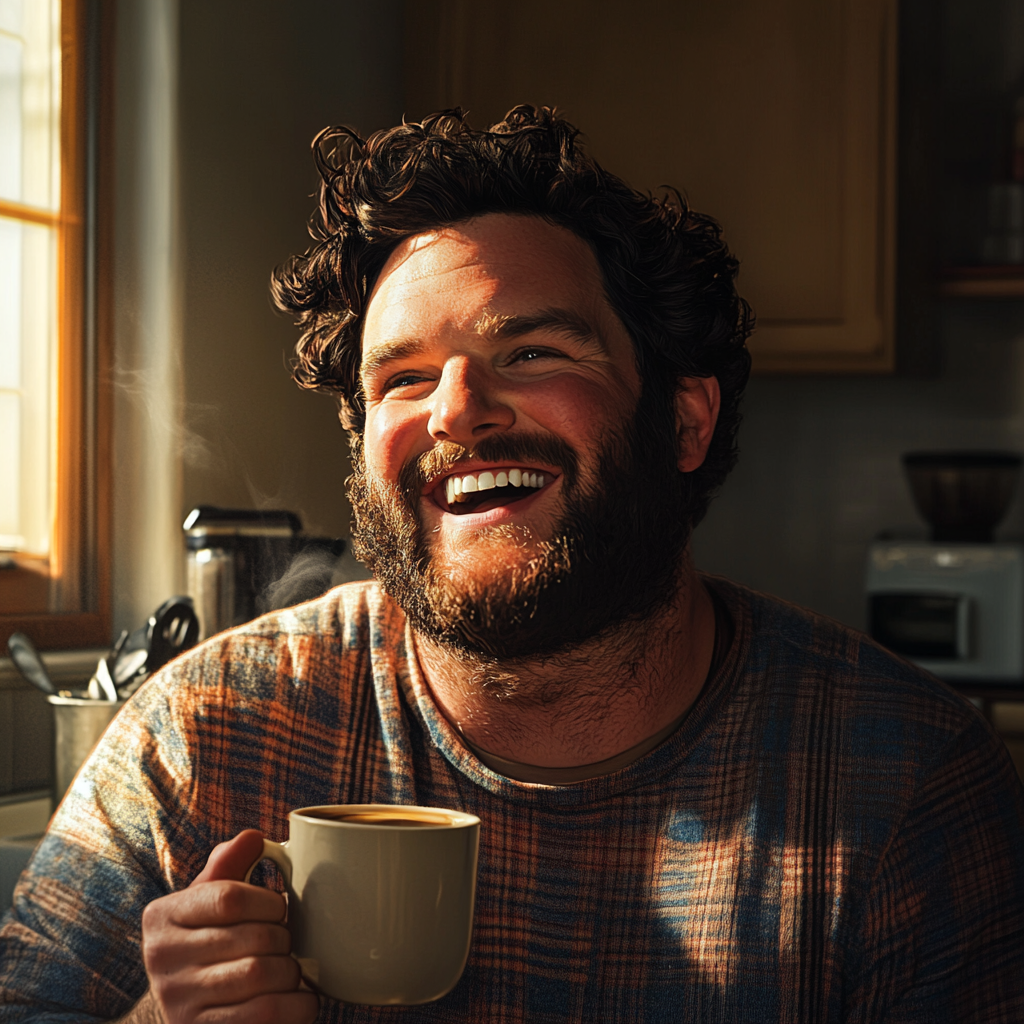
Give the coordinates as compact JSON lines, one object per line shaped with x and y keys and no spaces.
{"x":497,"y":327}
{"x":493,"y":360}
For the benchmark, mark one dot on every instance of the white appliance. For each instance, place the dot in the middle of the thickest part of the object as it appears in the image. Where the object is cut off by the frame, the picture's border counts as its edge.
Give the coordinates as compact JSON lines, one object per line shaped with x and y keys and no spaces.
{"x":956,"y":610}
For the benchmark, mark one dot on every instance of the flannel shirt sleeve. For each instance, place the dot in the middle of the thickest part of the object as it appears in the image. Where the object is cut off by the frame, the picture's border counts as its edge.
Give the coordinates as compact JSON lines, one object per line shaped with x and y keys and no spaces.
{"x":942,"y":930}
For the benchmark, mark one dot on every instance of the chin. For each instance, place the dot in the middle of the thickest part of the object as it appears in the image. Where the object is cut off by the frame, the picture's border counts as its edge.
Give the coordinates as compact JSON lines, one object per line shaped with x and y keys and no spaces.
{"x":488,"y":557}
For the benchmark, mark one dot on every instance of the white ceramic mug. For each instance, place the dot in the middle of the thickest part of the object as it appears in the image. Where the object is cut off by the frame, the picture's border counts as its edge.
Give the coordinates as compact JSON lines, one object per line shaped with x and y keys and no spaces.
{"x":380,"y":898}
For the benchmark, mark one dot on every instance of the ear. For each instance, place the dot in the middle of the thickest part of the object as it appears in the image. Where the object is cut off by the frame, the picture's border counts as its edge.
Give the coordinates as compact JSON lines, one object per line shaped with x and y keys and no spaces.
{"x":698,"y":400}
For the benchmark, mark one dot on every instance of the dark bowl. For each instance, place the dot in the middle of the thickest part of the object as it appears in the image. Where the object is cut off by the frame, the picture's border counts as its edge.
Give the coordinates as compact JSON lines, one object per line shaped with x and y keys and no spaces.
{"x":962,"y":495}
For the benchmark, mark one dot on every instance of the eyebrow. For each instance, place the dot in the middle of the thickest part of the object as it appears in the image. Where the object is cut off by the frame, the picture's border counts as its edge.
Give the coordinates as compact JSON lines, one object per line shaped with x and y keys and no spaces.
{"x":494,"y":327}
{"x":502,"y":327}
{"x":389,"y":352}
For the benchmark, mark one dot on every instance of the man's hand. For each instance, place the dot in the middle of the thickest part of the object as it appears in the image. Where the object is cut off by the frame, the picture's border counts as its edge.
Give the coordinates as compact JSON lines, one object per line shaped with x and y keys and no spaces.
{"x":217,"y":952}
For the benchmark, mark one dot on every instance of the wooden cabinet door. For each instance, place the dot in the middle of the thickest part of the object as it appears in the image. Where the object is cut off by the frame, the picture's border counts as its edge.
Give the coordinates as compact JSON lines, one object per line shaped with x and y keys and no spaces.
{"x":775,"y":116}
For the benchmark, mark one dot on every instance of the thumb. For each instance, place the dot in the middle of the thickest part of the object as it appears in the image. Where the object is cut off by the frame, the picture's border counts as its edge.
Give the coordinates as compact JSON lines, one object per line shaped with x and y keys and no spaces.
{"x":231,"y":860}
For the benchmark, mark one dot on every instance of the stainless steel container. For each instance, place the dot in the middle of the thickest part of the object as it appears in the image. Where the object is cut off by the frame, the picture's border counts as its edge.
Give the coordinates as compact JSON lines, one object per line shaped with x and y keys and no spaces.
{"x":78,"y":725}
{"x":233,"y":555}
{"x":210,"y":581}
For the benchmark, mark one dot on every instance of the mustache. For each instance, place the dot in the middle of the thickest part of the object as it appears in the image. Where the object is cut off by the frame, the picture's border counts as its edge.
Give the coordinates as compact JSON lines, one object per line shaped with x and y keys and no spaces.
{"x":445,"y":457}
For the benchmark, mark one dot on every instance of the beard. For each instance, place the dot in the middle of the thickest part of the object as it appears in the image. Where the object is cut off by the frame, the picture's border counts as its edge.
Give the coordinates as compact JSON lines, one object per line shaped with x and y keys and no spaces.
{"x":614,"y":557}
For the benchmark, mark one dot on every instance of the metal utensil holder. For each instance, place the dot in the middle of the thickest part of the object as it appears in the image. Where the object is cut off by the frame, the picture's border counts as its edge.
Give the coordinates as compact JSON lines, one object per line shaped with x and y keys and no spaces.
{"x":78,"y":725}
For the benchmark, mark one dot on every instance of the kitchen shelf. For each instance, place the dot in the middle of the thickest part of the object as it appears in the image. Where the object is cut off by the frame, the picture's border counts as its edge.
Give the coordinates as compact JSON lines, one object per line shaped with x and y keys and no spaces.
{"x":983,"y":282}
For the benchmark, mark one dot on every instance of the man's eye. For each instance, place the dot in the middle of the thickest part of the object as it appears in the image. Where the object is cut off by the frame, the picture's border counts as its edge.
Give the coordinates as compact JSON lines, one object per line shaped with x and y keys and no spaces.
{"x":530,"y":355}
{"x":401,"y":381}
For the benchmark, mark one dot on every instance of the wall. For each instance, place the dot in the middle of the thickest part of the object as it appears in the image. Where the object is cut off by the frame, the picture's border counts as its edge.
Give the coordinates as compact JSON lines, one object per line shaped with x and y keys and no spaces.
{"x":819,"y":472}
{"x":147,"y":306}
{"x":216,"y":106}
{"x":258,"y":80}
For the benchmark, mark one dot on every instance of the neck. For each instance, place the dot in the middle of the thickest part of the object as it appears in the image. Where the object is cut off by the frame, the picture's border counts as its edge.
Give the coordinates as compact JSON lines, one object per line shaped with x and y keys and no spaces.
{"x":585,"y":705}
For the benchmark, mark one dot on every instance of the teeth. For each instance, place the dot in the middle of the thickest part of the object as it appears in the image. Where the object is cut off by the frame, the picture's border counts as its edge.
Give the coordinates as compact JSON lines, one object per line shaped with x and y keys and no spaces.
{"x":457,"y":487}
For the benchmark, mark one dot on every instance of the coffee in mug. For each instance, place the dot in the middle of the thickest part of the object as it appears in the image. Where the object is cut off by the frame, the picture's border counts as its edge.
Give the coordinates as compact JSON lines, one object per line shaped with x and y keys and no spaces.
{"x":380,"y":899}
{"x":384,"y":818}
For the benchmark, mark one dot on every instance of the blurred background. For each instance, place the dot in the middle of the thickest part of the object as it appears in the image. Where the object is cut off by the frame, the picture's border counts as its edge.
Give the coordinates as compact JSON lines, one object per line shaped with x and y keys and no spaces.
{"x":866,"y":162}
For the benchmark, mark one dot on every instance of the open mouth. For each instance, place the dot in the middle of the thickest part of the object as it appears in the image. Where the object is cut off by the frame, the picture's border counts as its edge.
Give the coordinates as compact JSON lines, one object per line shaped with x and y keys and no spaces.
{"x":463,"y":493}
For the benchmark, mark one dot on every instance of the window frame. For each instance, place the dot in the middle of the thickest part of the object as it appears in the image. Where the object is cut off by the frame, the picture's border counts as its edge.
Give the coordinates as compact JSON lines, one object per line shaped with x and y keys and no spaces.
{"x":80,"y":569}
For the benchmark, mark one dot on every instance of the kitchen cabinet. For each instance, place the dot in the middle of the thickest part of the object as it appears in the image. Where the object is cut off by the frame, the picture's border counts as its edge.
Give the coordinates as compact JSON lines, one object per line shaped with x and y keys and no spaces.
{"x":976,"y":147}
{"x":776,"y":116}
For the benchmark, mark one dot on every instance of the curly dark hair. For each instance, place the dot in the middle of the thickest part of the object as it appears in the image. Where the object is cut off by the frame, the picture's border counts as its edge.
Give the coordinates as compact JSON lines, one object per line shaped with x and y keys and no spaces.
{"x":667,"y":273}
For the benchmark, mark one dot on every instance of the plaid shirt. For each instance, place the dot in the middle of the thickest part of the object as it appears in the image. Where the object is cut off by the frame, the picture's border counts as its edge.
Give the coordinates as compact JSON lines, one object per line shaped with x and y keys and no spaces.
{"x":831,"y":835}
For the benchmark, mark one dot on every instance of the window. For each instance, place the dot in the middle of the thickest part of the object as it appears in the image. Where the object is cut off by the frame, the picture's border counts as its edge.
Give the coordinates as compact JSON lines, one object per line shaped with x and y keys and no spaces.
{"x":30,"y":205}
{"x":52,"y":411}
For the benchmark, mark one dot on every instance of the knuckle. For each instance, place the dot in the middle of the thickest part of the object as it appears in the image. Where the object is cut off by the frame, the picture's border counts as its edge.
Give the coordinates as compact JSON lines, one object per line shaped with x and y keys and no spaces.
{"x":253,"y":969}
{"x":155,"y":953}
{"x":153,"y":915}
{"x":154,"y":957}
{"x":168,"y":992}
{"x":227,"y":901}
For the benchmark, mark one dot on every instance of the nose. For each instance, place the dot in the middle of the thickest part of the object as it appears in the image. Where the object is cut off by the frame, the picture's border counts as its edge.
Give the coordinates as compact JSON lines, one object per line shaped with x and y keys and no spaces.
{"x":465,"y":407}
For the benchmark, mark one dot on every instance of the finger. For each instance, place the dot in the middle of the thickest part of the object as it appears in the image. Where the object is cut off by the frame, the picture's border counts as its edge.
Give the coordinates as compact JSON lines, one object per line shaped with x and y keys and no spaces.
{"x":231,"y":860}
{"x":278,"y":1008}
{"x":225,"y":984}
{"x":214,"y":945}
{"x":218,"y":904}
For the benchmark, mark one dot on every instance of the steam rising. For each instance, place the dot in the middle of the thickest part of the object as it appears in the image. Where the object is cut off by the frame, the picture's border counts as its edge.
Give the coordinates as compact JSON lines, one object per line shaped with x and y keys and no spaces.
{"x":166,"y":421}
{"x":312,"y":572}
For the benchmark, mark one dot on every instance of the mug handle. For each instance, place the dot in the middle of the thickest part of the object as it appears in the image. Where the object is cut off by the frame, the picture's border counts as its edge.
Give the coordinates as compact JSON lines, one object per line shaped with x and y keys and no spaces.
{"x":278,"y":853}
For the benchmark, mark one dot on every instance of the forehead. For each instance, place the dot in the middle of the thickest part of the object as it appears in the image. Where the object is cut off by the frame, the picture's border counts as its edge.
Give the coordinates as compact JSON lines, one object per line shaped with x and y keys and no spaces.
{"x":491,"y":265}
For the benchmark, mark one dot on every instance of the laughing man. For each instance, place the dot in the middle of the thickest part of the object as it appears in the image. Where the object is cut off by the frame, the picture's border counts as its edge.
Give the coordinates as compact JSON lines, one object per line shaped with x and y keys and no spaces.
{"x":698,"y":803}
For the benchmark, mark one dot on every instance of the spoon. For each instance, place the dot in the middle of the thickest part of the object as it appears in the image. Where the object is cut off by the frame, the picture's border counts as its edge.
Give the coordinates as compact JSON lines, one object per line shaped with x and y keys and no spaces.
{"x":24,"y":654}
{"x":101,"y":686}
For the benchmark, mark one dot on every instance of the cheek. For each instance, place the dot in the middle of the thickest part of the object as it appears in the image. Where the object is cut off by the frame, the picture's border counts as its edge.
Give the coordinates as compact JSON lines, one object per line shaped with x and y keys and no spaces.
{"x":578,"y":409}
{"x":388,"y":441}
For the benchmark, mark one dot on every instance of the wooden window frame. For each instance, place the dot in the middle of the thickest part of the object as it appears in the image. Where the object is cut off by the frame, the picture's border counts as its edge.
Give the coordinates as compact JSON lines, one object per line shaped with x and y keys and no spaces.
{"x":80,"y":570}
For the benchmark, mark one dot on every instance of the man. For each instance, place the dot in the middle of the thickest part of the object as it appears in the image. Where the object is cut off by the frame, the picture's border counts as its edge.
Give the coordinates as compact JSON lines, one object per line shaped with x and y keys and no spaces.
{"x":698,"y":803}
